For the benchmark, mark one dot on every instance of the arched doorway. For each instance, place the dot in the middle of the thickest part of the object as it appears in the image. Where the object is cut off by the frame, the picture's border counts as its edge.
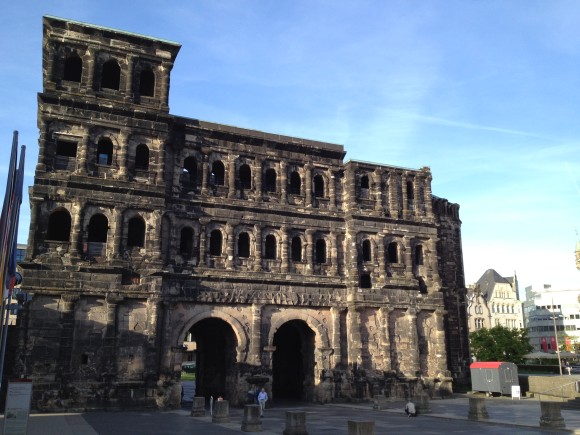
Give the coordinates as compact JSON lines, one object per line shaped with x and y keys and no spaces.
{"x":293,"y":361}
{"x":216,"y":372}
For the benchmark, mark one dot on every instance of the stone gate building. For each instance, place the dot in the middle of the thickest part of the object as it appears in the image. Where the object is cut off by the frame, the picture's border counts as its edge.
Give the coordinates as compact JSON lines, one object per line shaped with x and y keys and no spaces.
{"x":289,"y":268}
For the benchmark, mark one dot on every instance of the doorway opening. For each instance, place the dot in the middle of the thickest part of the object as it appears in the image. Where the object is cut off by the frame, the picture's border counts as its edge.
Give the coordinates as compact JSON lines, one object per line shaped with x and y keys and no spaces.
{"x":293,"y":361}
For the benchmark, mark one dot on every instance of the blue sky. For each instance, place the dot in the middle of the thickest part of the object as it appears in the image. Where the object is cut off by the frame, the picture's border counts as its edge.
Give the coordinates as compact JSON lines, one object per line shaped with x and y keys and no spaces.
{"x":485,"y":93}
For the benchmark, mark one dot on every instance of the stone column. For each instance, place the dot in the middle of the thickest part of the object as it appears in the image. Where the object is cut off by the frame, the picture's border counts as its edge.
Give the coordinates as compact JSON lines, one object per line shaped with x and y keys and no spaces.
{"x":333,"y":254}
{"x":284,"y":247}
{"x":221,"y":411}
{"x":110,"y":337}
{"x":34,"y":211}
{"x":428,"y":197}
{"x":122,"y":144}
{"x":377,"y":191}
{"x":204,"y":174}
{"x":309,"y":251}
{"x":198,"y":408}
{"x":417,"y":188}
{"x":412,"y":355}
{"x":477,"y":409}
{"x":160,"y":176}
{"x":361,"y":427}
{"x":393,"y":201}
{"x":283,"y":182}
{"x":354,"y":337}
{"x":350,"y":182}
{"x":129,"y":77}
{"x":258,"y":254}
{"x":82,"y":153}
{"x":384,"y":339}
{"x":251,"y":421}
{"x":164,"y":86}
{"x":336,"y":333}
{"x":258,"y":178}
{"x":86,"y":161}
{"x":295,"y":423}
{"x":332,"y":190}
{"x":229,"y":230}
{"x":551,"y":415}
{"x":66,"y":308}
{"x":117,"y":241}
{"x":439,"y":341}
{"x":256,"y":337}
{"x":89,"y":60}
{"x":308,"y":184}
{"x":382,"y":260}
{"x":232,"y":177}
{"x":76,"y":229}
{"x":155,"y":244}
{"x":404,"y":194}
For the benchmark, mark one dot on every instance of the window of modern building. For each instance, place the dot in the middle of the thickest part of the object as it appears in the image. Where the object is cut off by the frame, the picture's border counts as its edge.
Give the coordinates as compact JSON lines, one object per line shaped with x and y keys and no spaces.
{"x":270,"y":180}
{"x":245,"y":174}
{"x":366,"y":250}
{"x":318,"y":183}
{"x":296,"y":249}
{"x":320,"y":251}
{"x":59,"y":226}
{"x":105,"y":152}
{"x":111,"y":76}
{"x":147,"y":83}
{"x":295,"y":183}
{"x":142,"y":157}
{"x":215,"y":243}
{"x":270,"y":247}
{"x":136,"y":233}
{"x":243,"y":245}
{"x":186,"y":241}
{"x":98,"y":228}
{"x":190,"y":169}
{"x":217,"y":176}
{"x":392,"y":251}
{"x":73,"y":68}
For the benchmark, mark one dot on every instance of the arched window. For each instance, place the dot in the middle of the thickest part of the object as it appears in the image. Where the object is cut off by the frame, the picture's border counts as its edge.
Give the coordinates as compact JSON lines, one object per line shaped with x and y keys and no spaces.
{"x":215,"y":243}
{"x":98,"y":228}
{"x":270,"y":180}
{"x":190,"y":169}
{"x":73,"y":68}
{"x":418,"y":258}
{"x":147,"y":83}
{"x":393,"y":254}
{"x":142,"y":157}
{"x":243,"y":245}
{"x":245,"y":174}
{"x":186,"y":241}
{"x":270,"y":247}
{"x":296,"y":249}
{"x":295,"y":183}
{"x":410,"y":195}
{"x":318,"y":186}
{"x":59,"y":226}
{"x":364,"y":182}
{"x":365,"y":280}
{"x":217,"y":176}
{"x":105,"y":152}
{"x":111,"y":76}
{"x":136,"y":233}
{"x":320,"y":254}
{"x":366,"y":250}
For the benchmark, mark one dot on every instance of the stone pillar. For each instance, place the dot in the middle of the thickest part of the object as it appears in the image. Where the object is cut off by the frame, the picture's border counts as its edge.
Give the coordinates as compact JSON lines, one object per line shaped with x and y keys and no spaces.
{"x":129,"y":77}
{"x":34,"y":211}
{"x":295,"y":423}
{"x":332,"y":191}
{"x":350,"y":190}
{"x":82,"y":154}
{"x":412,"y":354}
{"x":198,"y":408}
{"x":258,"y":179}
{"x":258,"y":254}
{"x":384,"y":339}
{"x":122,"y":144}
{"x":377,"y":191}
{"x":284,"y":246}
{"x":309,"y":251}
{"x":393,"y":201}
{"x":221,"y":411}
{"x":202,"y":253}
{"x":551,"y":415}
{"x":423,"y":405}
{"x":204,"y":174}
{"x":337,"y":354}
{"x":160,"y":175}
{"x":89,"y":58}
{"x":333,"y":254}
{"x":110,"y":338}
{"x":382,"y":259}
{"x":404,"y":195}
{"x":308,"y":184}
{"x":477,"y":410}
{"x":440,"y":350}
{"x":361,"y":427}
{"x":117,"y":241}
{"x":428,"y":197}
{"x":251,"y":421}
{"x":164,"y":86}
{"x":232,"y":177}
{"x":229,"y":230}
{"x":155,"y":244}
{"x":417,"y":184}
{"x":256,"y":337}
{"x":86,"y":161}
{"x":283,"y":182}
{"x":76,"y":229}
{"x":354,"y":337}
{"x":66,"y":308}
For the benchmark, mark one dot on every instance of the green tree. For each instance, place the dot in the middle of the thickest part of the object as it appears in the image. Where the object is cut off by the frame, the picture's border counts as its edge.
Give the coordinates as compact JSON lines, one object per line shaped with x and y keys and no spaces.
{"x":500,"y":344}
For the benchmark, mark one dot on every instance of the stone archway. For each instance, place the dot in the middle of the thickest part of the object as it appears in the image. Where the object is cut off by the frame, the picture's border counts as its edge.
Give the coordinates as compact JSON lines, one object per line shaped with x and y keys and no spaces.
{"x":293,"y":361}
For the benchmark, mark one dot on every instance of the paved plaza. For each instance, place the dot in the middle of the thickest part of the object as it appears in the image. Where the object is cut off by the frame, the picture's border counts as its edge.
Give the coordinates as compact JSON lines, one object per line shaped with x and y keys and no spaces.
{"x":447,"y":416}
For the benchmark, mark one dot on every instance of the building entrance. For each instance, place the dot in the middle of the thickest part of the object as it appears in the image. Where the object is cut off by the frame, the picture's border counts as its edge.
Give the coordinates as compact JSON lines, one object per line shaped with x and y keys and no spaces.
{"x":293,"y":361}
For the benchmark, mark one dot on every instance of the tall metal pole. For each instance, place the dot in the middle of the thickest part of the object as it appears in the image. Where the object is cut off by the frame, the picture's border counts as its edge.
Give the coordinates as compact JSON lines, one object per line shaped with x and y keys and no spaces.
{"x":556,"y":334}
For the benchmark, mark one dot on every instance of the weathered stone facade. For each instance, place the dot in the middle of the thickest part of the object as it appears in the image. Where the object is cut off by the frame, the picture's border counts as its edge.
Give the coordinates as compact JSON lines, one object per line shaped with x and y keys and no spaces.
{"x":319,"y":279}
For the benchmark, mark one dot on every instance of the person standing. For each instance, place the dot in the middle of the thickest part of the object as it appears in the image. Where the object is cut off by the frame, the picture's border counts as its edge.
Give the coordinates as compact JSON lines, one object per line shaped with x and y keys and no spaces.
{"x":262,"y":399}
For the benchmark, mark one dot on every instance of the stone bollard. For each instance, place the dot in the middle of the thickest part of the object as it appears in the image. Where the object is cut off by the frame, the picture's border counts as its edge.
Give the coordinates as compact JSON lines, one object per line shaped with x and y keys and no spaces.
{"x":551,"y":415}
{"x":198,"y":408}
{"x":477,"y":409}
{"x":361,"y":427}
{"x":295,"y":423}
{"x":221,"y":411}
{"x":379,"y":402}
{"x":252,"y":421}
{"x":423,"y":404}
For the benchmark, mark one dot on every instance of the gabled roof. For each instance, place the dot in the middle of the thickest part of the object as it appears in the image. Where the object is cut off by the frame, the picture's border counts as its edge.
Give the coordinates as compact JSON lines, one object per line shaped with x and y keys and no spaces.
{"x":488,"y":281}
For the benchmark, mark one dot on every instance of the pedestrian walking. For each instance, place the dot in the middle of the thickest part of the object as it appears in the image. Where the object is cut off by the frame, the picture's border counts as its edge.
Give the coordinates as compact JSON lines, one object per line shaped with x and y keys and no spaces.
{"x":262,"y":399}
